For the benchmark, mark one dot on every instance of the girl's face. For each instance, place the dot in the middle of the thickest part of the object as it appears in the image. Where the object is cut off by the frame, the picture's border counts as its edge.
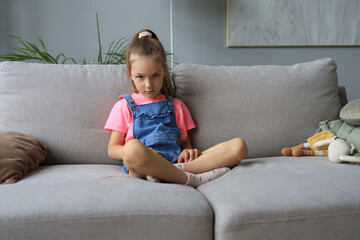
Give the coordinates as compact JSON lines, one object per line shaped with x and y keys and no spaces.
{"x":147,"y":73}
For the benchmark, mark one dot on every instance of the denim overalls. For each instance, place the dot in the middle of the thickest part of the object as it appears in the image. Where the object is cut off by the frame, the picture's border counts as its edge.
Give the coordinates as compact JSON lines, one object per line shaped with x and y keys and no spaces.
{"x":154,"y":124}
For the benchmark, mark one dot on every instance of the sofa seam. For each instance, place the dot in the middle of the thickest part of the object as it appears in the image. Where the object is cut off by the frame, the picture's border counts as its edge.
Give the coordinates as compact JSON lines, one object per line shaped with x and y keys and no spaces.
{"x":97,"y":218}
{"x":285,"y":220}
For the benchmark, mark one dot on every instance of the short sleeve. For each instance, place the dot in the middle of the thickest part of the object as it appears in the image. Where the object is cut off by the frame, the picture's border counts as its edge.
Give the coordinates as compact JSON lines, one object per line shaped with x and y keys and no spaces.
{"x":119,"y":118}
{"x":183,"y":119}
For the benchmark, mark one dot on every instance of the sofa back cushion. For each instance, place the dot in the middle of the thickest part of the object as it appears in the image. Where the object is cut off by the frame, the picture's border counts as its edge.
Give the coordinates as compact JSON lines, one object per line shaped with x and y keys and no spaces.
{"x":64,"y":106}
{"x":271,"y":107}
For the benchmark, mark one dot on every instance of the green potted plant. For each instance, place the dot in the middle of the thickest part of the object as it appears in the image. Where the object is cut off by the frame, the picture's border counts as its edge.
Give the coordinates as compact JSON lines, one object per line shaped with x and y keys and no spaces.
{"x":115,"y":54}
{"x":30,"y":51}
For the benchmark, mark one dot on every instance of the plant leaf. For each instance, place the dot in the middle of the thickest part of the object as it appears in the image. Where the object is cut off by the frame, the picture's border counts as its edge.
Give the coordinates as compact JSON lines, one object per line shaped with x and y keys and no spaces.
{"x":32,"y":51}
{"x":73,"y":60}
{"x":22,"y":50}
{"x":107,"y":55}
{"x":116,"y":52}
{"x":42,"y":44}
{"x":98,"y":31}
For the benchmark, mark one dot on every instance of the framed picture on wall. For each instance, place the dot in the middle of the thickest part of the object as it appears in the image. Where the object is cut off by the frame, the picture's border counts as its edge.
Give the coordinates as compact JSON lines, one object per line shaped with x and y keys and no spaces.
{"x":288,"y":23}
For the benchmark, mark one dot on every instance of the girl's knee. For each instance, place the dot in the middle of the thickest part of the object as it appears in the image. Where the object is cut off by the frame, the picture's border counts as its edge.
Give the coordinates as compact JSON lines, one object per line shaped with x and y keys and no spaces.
{"x":239,"y":147}
{"x":132,"y":146}
{"x":240,"y":142}
{"x":133,"y":153}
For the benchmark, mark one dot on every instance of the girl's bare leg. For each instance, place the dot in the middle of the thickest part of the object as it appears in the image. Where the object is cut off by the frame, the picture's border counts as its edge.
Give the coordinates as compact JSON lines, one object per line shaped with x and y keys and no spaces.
{"x":141,"y":161}
{"x":226,"y":154}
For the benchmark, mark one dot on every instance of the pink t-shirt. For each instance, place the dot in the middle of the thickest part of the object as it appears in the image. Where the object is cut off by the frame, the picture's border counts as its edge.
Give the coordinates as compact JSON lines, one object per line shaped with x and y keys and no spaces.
{"x":120,"y":118}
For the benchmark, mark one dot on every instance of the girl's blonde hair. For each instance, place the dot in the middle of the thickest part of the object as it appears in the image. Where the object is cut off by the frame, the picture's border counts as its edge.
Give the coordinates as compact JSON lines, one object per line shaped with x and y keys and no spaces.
{"x":148,"y":44}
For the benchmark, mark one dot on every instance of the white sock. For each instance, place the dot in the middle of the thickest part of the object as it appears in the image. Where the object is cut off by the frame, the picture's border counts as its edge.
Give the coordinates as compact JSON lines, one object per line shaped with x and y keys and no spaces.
{"x":195,"y":180}
{"x":152,"y":179}
{"x":180,"y":166}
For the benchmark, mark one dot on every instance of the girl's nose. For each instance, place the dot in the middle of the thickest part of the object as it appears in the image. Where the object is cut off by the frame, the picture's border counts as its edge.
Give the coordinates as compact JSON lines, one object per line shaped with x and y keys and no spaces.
{"x":148,"y":83}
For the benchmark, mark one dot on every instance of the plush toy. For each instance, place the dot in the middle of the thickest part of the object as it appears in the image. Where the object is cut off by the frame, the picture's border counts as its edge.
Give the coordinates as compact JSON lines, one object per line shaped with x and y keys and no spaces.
{"x":317,"y":143}
{"x":326,"y":143}
{"x":349,"y":133}
{"x":339,"y":151}
{"x":337,"y":139}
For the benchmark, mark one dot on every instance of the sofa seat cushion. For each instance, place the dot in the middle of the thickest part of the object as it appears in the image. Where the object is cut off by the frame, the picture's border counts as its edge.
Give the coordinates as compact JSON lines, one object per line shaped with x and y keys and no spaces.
{"x":100,"y":202}
{"x":286,"y":198}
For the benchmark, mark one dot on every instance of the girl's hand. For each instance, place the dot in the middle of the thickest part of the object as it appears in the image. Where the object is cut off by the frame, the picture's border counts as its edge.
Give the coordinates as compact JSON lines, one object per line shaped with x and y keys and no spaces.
{"x":188,"y":154}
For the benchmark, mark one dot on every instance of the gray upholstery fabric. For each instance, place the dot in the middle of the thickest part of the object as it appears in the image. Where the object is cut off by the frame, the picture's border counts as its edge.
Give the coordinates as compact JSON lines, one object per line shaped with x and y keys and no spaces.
{"x":286,"y":198}
{"x":99,"y":202}
{"x":271,"y":107}
{"x":343,"y":96}
{"x":64,"y":106}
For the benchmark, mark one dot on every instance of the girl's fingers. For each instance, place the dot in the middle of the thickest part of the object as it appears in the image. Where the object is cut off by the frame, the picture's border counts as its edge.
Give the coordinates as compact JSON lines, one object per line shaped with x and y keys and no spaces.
{"x":197,"y":153}
{"x":186,"y":156}
{"x":194,"y":154}
{"x":182,"y":157}
{"x":191,"y":154}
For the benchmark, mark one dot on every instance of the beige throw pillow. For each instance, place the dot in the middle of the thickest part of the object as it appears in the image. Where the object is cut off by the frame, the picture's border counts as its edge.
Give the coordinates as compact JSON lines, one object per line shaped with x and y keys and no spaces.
{"x":350,"y":113}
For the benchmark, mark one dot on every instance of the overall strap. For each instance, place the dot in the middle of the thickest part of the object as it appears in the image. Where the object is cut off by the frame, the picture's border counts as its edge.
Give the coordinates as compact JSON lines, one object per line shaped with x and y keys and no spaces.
{"x":130,"y":101}
{"x":170,"y":102}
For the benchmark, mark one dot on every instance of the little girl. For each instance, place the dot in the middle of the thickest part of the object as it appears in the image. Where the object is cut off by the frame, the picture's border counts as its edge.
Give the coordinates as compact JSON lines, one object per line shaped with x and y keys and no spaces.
{"x":149,"y":127}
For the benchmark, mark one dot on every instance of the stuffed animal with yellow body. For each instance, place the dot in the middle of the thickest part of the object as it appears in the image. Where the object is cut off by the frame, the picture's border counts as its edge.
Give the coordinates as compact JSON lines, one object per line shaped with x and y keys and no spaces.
{"x":316,"y":145}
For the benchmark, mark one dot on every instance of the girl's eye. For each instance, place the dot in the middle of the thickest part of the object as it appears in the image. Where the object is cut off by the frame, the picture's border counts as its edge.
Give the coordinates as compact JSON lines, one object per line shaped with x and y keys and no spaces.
{"x":156,"y":75}
{"x":139,"y":77}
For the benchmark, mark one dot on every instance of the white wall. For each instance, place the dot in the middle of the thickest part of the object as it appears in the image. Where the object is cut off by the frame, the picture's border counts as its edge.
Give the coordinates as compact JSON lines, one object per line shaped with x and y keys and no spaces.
{"x":69,"y":26}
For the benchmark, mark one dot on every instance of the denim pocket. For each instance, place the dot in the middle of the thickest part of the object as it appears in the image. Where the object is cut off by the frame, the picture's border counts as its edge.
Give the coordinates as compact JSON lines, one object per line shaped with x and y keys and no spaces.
{"x":166,"y":144}
{"x":161,"y":140}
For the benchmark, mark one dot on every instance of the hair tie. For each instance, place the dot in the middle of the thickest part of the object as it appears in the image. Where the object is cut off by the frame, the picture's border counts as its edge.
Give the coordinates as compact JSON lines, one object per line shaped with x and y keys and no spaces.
{"x":145,"y":34}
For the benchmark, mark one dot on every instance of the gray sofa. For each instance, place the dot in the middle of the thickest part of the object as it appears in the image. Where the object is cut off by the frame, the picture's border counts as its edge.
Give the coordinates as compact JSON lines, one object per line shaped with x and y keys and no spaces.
{"x":79,"y":193}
